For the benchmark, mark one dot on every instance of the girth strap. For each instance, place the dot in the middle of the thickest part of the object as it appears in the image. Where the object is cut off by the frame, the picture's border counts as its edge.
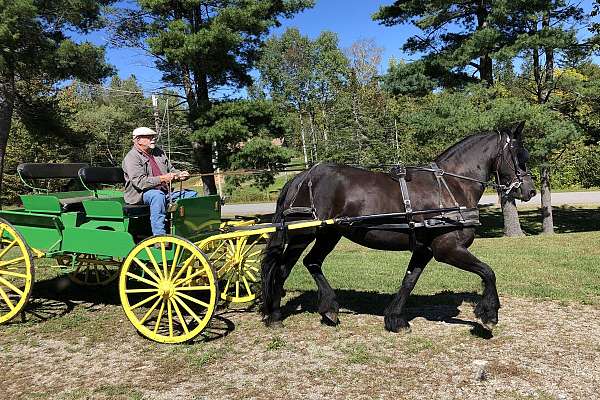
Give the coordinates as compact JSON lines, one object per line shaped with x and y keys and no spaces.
{"x":412,"y":237}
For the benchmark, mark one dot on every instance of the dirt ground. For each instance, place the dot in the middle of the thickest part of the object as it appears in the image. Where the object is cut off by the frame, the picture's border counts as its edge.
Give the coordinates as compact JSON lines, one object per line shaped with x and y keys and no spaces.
{"x":78,"y":350}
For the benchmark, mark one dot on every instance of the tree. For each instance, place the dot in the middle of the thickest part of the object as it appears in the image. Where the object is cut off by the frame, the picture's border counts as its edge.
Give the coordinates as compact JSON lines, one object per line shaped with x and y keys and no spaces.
{"x":202,"y":47}
{"x":36,"y":52}
{"x":305,"y":76}
{"x":547,"y":39}
{"x":461,"y":37}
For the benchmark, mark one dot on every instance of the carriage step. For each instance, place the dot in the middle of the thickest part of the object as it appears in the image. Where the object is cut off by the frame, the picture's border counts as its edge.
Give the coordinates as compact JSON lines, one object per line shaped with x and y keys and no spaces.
{"x":299,"y":211}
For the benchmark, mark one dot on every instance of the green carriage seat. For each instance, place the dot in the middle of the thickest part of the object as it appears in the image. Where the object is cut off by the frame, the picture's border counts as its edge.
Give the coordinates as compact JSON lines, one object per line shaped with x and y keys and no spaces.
{"x":96,"y":177}
{"x":57,"y":202}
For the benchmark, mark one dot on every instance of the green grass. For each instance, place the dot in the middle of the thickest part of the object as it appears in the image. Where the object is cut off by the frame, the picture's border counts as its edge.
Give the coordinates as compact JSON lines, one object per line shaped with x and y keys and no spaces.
{"x":561,"y":267}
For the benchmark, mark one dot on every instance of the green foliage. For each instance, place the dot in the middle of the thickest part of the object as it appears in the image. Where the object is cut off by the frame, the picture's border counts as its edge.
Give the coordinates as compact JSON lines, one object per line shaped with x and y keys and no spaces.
{"x":408,"y":79}
{"x":588,"y":167}
{"x":37,"y":53}
{"x":203,"y":47}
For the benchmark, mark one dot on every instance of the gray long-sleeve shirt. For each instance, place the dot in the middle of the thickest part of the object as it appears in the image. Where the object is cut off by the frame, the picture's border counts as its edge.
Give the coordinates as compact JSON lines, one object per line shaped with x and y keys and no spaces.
{"x":138,"y":173}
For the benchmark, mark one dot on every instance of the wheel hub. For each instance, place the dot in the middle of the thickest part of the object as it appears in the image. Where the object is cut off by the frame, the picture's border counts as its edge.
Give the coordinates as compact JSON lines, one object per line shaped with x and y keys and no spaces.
{"x":166,"y":289}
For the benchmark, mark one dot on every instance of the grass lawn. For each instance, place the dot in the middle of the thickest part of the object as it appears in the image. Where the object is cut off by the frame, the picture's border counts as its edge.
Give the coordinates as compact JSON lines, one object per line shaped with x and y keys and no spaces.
{"x":563,"y":266}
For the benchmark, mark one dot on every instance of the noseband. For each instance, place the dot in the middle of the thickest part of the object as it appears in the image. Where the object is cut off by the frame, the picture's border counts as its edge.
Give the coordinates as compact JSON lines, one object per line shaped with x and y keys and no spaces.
{"x":517,"y":180}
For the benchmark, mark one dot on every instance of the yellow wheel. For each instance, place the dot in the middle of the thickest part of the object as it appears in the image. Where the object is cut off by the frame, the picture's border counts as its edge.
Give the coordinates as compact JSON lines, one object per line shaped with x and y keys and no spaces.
{"x":168,"y":289}
{"x":236,"y":261}
{"x":93,"y":271}
{"x":16,"y":272}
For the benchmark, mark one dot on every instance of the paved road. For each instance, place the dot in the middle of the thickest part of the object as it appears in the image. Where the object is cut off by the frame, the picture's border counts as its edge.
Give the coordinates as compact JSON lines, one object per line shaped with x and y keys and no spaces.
{"x":558,"y":199}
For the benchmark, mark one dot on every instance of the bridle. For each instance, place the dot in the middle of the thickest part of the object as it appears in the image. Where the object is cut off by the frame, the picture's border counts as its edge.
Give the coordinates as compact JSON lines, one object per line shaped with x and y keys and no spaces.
{"x":517,"y":180}
{"x":502,"y":189}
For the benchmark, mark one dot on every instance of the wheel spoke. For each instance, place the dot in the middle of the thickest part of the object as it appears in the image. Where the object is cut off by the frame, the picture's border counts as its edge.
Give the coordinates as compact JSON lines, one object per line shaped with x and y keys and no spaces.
{"x":247,"y":285}
{"x":163,"y":253}
{"x":192,"y":299}
{"x":170,"y":317}
{"x":178,"y":289}
{"x":15,"y":274}
{"x":227,"y":285}
{"x":11,"y":286}
{"x":153,"y":261}
{"x":178,"y":312}
{"x":7,"y":248}
{"x":250,"y":247}
{"x":145,"y":317}
{"x":184,"y":267}
{"x":159,"y":318}
{"x":11,"y":262}
{"x":189,"y":278}
{"x":146,"y":269}
{"x":254,"y":254}
{"x":188,"y":309}
{"x":146,"y":300}
{"x":6,"y":299}
{"x":97,"y":274}
{"x":132,"y":291}
{"x":252,"y":277}
{"x":175,"y":260}
{"x":143,"y":280}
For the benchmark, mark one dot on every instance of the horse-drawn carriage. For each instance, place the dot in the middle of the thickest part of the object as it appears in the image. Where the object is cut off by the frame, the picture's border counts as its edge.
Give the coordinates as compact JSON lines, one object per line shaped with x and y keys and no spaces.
{"x":169,"y":285}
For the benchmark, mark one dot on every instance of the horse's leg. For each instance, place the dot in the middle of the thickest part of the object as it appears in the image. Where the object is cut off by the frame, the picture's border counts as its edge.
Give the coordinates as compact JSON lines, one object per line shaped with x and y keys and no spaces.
{"x":395,"y":320}
{"x":290,"y":256}
{"x":328,"y":305}
{"x":452,"y":249}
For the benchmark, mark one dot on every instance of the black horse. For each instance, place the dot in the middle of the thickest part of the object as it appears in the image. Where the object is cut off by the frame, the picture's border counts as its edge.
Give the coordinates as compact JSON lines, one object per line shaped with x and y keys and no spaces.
{"x":337,"y":190}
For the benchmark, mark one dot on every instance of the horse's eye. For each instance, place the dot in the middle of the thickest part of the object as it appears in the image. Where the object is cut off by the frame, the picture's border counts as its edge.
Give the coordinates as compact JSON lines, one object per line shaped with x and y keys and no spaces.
{"x":522,"y":155}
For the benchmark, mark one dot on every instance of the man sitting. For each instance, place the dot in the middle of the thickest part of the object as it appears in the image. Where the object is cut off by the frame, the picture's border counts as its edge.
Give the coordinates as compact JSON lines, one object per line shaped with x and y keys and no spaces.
{"x":148,"y":173}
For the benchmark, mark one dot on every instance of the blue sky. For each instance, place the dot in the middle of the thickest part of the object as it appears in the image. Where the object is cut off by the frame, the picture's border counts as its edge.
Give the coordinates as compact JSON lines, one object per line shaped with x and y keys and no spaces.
{"x":350,"y":19}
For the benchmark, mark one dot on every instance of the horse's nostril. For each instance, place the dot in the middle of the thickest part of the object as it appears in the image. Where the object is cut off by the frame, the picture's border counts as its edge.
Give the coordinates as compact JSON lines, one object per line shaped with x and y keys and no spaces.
{"x":532,"y":193}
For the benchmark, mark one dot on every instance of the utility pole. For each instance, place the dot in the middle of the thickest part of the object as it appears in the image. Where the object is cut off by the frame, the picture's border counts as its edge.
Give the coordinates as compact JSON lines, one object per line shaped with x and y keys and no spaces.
{"x":156,"y":114}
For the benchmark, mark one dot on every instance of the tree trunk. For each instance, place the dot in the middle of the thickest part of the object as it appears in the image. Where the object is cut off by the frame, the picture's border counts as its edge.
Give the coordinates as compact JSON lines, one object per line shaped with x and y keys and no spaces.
{"x":485,"y":61}
{"x":203,"y":158}
{"x":199,"y":102}
{"x":313,"y":135}
{"x":325,"y":127}
{"x":546,"y":196}
{"x":303,"y":136}
{"x":7,"y":101}
{"x":486,"y":70}
{"x":547,"y":220}
{"x":512,"y":226}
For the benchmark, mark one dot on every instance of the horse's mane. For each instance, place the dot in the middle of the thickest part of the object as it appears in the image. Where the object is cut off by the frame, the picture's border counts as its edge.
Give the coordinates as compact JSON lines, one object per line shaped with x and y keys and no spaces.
{"x":461,"y":146}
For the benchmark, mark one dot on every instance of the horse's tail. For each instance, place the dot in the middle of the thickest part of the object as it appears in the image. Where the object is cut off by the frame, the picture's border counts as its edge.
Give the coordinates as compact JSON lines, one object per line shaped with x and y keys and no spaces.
{"x":272,"y":261}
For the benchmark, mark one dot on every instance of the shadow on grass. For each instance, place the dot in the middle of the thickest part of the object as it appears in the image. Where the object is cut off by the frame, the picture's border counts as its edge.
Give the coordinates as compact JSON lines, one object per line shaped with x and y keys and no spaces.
{"x":443,"y":306}
{"x":57,"y":297}
{"x":567,"y":219}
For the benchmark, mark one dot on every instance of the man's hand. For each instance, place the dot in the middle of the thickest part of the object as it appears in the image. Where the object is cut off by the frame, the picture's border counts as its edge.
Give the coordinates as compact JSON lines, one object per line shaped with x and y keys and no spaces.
{"x":183,"y":175}
{"x":168,"y":177}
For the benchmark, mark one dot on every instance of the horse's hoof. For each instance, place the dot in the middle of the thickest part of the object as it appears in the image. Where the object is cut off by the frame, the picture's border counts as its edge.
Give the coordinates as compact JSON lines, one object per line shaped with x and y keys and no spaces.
{"x":330,"y":318}
{"x":489,"y":326}
{"x":271,"y":322}
{"x":275,"y":325}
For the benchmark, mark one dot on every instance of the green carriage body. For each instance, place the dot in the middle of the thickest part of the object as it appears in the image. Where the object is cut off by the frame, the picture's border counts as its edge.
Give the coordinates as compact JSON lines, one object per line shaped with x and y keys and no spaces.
{"x":96,"y":221}
{"x":93,"y":233}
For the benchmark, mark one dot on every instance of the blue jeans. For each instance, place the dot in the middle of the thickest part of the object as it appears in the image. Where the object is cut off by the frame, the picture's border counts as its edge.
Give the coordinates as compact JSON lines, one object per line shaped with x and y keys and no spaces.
{"x":157,"y":200}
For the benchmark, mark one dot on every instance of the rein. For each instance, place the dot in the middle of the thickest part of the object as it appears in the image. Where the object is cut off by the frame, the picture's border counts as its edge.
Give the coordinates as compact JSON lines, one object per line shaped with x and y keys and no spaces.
{"x":503,"y":190}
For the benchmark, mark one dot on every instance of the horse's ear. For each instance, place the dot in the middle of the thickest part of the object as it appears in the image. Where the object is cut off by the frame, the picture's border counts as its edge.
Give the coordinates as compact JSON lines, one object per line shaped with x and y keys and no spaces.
{"x":517,"y":130}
